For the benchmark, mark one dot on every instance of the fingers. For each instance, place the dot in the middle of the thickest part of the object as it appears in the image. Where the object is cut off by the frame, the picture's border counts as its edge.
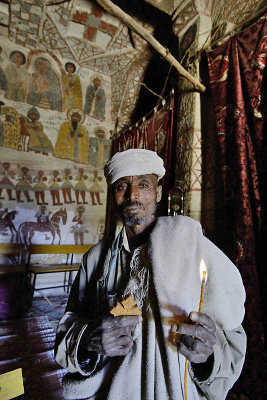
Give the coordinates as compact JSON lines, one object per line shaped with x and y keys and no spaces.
{"x":120,"y":322}
{"x":195,"y":356}
{"x":202,"y":319}
{"x":121,"y":346}
{"x":198,"y":332}
{"x":113,"y":336}
{"x":196,"y":339}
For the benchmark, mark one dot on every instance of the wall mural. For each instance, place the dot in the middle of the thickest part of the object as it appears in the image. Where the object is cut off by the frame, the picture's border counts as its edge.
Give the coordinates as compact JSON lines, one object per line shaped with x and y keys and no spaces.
{"x":49,"y":195}
{"x":55,"y":118}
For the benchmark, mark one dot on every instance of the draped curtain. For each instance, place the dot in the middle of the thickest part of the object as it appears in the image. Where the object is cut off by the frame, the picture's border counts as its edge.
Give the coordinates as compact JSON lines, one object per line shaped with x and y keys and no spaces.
{"x":153,"y":132}
{"x":236,"y":72}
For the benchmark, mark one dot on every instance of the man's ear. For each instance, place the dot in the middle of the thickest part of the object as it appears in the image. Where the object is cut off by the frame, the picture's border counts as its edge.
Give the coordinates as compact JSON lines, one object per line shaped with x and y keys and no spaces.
{"x":159,"y":193}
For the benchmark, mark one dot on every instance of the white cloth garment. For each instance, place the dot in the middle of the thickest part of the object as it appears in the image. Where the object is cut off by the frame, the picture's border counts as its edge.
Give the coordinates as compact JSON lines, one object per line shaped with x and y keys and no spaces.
{"x":154,"y":370}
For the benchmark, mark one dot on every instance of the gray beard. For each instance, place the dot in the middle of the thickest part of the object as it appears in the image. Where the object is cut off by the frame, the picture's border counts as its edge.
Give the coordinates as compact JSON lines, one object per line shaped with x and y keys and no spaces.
{"x":133,"y":220}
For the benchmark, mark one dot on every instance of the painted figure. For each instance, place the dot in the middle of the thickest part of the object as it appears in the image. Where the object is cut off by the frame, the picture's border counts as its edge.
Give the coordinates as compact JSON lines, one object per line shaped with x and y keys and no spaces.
{"x":6,"y":222}
{"x":99,"y":148}
{"x":100,"y":231}
{"x":17,"y":77}
{"x":1,"y":125}
{"x":6,"y":183}
{"x":71,"y":85}
{"x":79,"y":229}
{"x":95,"y":189}
{"x":24,"y":185}
{"x":72,"y":141}
{"x":42,"y":216}
{"x":10,"y":128}
{"x":67,"y":186}
{"x":44,"y":90}
{"x":95,"y":99}
{"x":3,"y":213}
{"x":3,"y":80}
{"x":55,"y":188}
{"x":80,"y":188}
{"x":38,"y":140}
{"x":40,"y":187}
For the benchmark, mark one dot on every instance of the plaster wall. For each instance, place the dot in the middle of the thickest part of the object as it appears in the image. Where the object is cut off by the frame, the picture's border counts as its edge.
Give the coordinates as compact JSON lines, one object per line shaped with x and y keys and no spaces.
{"x":52,"y":190}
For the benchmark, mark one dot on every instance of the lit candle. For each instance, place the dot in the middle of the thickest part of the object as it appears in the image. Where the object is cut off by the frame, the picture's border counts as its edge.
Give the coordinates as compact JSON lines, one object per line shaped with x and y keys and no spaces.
{"x":203,"y":277}
{"x":169,"y":204}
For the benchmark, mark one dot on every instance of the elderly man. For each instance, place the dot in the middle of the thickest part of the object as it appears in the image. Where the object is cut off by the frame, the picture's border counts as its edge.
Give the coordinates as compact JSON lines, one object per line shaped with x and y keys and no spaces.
{"x":156,"y":262}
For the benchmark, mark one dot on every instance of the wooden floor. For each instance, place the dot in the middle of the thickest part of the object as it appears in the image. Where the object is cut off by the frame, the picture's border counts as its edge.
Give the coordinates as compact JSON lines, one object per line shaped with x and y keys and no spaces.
{"x":53,"y":307}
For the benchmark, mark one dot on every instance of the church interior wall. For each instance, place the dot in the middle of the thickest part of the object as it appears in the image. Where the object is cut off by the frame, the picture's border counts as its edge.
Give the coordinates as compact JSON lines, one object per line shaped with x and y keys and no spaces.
{"x":46,"y":176}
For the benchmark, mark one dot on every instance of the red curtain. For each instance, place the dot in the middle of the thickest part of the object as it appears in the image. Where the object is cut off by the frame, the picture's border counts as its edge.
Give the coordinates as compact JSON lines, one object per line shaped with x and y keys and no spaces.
{"x":153,"y":132}
{"x":236,"y":71}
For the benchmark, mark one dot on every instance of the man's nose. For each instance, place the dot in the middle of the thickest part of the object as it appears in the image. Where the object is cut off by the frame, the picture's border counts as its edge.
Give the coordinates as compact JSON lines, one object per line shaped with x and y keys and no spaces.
{"x":133,"y":192}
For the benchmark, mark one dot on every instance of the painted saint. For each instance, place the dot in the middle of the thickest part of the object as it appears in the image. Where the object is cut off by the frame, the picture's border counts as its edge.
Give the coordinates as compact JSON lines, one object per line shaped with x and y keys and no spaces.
{"x":38,"y":140}
{"x":44,"y":89}
{"x":95,"y":99}
{"x":95,"y":189}
{"x":43,"y":215}
{"x":1,"y":125}
{"x":3,"y":80}
{"x":71,"y":85}
{"x":99,"y":148}
{"x":54,"y":188}
{"x":79,"y":229}
{"x":67,"y":186}
{"x":80,"y":188}
{"x":72,"y":140}
{"x":6,"y":183}
{"x":40,"y":187}
{"x":17,"y":77}
{"x":24,"y":185}
{"x":10,"y":128}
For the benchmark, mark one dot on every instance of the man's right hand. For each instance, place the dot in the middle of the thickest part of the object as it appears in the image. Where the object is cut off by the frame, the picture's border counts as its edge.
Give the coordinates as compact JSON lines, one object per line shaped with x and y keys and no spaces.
{"x":112,"y":336}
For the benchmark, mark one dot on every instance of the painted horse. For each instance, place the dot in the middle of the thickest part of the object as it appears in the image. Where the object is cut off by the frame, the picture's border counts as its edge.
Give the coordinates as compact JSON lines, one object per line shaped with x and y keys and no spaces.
{"x":27,"y":230}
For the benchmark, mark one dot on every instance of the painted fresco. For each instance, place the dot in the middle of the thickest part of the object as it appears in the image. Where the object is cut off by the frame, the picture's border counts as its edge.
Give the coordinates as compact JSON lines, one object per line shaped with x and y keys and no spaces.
{"x":51,"y":206}
{"x":54,"y":141}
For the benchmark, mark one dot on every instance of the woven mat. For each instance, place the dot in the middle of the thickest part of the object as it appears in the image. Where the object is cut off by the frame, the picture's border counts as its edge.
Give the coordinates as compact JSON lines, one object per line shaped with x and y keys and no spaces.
{"x":28,"y":344}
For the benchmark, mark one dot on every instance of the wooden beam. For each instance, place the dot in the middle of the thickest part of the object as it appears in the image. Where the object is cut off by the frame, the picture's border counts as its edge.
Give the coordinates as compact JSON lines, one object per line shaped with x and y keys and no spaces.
{"x":163,"y":51}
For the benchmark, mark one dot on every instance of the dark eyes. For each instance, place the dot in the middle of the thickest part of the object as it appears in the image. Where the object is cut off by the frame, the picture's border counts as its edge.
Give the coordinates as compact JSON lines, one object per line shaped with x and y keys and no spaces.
{"x":123,"y":186}
{"x":143,"y":185}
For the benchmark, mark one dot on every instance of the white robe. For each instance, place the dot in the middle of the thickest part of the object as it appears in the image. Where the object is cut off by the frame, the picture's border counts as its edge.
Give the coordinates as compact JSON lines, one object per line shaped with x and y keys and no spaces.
{"x":153,"y":370}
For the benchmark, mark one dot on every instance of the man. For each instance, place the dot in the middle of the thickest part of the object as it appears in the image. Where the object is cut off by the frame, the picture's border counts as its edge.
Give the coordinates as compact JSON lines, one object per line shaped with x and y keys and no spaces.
{"x":155,"y":261}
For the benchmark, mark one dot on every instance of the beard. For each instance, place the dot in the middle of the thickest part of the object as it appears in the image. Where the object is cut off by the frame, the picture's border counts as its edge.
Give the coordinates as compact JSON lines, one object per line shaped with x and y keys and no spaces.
{"x":133,"y":219}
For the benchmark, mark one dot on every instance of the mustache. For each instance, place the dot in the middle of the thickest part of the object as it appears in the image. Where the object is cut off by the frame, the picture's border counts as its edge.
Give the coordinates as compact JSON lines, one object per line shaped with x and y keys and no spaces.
{"x":131,"y":204}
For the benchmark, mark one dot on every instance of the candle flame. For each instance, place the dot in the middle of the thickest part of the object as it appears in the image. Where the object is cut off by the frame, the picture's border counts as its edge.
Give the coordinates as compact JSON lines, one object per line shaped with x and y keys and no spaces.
{"x":203,"y":271}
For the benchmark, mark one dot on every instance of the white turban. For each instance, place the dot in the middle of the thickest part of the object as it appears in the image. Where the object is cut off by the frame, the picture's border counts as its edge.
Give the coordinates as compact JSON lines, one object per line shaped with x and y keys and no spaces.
{"x":133,"y":162}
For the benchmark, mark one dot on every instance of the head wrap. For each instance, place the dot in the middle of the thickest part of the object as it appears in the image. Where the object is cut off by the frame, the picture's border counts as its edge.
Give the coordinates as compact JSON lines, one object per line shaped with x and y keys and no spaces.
{"x":133,"y":162}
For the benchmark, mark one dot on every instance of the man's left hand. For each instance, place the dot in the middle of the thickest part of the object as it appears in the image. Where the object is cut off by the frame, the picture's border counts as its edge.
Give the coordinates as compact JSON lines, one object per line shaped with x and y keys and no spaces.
{"x":197,"y":337}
